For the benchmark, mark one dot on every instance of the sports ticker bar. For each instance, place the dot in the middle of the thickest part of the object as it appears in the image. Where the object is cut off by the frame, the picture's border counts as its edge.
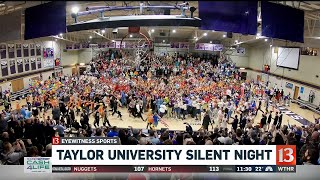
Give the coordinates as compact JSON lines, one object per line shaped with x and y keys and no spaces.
{"x":175,"y":169}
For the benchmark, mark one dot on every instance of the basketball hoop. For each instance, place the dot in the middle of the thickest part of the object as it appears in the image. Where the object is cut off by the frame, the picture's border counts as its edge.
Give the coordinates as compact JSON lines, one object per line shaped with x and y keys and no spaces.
{"x":141,"y":48}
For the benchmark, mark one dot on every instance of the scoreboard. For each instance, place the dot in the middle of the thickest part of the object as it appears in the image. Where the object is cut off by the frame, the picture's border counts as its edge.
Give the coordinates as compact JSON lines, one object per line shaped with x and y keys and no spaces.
{"x":177,"y":169}
{"x":103,"y":154}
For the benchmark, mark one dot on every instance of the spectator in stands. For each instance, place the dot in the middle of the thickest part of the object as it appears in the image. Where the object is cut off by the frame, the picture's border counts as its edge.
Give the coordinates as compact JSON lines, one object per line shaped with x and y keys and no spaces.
{"x":60,"y":129}
{"x":153,"y":137}
{"x":113,"y":132}
{"x":13,"y":153}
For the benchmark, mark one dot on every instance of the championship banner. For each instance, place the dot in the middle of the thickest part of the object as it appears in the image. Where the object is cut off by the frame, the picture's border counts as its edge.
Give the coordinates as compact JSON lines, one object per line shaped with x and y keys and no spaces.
{"x":102,"y":45}
{"x":38,"y":49}
{"x":76,"y":46}
{"x":32,"y":50}
{"x":20,"y":65}
{"x":130,"y":45}
{"x":217,"y":47}
{"x":33,"y":63}
{"x":111,"y":44}
{"x":48,"y":63}
{"x":208,"y":47}
{"x":183,"y":45}
{"x":174,"y":45}
{"x":4,"y":68}
{"x":3,"y":51}
{"x":199,"y":46}
{"x":19,"y":50}
{"x":12,"y":66}
{"x":26,"y":64}
{"x":123,"y":45}
{"x":85,"y":45}
{"x":26,"y":50}
{"x":103,"y":154}
{"x":11,"y":51}
{"x":69,"y":46}
{"x":39,"y":62}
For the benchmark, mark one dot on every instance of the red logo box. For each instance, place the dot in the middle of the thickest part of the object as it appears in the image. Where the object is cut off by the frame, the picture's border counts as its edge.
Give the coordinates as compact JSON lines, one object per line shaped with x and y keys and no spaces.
{"x":55,"y":140}
{"x":286,"y":155}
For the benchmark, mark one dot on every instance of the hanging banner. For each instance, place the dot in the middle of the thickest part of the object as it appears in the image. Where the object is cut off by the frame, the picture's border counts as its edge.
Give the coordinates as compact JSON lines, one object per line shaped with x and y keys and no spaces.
{"x":174,"y":45}
{"x":102,"y":45}
{"x":208,"y":47}
{"x":217,"y":47}
{"x":3,"y":51}
{"x":13,"y":66}
{"x":85,"y":45}
{"x":76,"y":46}
{"x":39,"y":62}
{"x":32,"y":50}
{"x":20,"y":65}
{"x":183,"y":45}
{"x":19,"y":50}
{"x":118,"y":45}
{"x":69,"y":46}
{"x":111,"y":44}
{"x":26,"y":50}
{"x":33,"y":63}
{"x":38,"y":49}
{"x":48,"y":63}
{"x":199,"y":46}
{"x":11,"y":51}
{"x":130,"y":45}
{"x":26,"y":64}
{"x":4,"y":68}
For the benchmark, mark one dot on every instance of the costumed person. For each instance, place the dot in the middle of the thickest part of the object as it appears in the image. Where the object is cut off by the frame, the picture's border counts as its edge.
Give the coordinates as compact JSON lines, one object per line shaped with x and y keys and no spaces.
{"x":150,"y":120}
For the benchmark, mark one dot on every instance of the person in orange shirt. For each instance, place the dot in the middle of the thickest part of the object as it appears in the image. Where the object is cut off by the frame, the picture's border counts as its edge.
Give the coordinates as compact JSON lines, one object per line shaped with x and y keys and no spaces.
{"x":18,"y":107}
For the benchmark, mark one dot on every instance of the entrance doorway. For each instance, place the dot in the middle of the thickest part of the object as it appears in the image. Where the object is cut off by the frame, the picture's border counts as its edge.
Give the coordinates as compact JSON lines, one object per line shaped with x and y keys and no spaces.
{"x":296,"y":92}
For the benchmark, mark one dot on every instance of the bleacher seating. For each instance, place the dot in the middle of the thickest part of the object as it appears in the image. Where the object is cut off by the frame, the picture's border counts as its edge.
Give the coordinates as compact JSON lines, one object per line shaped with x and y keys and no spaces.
{"x":306,"y":104}
{"x":19,"y":94}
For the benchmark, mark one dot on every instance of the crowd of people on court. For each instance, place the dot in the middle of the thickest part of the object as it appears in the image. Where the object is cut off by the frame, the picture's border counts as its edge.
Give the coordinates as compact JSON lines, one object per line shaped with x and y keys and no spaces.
{"x":177,"y":88}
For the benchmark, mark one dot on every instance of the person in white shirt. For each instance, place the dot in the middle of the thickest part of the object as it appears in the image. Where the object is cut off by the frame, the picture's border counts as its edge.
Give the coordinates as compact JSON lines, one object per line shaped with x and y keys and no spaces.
{"x":224,"y":121}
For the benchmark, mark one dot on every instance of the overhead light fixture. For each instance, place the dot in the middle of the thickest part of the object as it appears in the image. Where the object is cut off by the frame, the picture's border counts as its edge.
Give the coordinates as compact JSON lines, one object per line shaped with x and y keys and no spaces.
{"x":196,"y":39}
{"x":81,"y":64}
{"x":174,"y":31}
{"x":210,"y":42}
{"x":265,"y":40}
{"x":270,"y":45}
{"x":90,"y":37}
{"x":242,"y":68}
{"x":205,"y":34}
{"x":113,"y":41}
{"x":224,"y":35}
{"x":258,"y":34}
{"x":60,"y":34}
{"x":152,"y":30}
{"x":75,"y":9}
{"x":163,"y":41}
{"x":131,"y":35}
{"x":103,"y":31}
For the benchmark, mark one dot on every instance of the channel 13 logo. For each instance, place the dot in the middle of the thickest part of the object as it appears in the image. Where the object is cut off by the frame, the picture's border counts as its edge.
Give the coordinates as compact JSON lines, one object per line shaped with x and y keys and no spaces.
{"x":37,"y":165}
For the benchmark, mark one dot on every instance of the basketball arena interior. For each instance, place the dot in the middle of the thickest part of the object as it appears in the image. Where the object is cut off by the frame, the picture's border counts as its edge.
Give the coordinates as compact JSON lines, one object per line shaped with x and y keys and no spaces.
{"x":160,"y":73}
